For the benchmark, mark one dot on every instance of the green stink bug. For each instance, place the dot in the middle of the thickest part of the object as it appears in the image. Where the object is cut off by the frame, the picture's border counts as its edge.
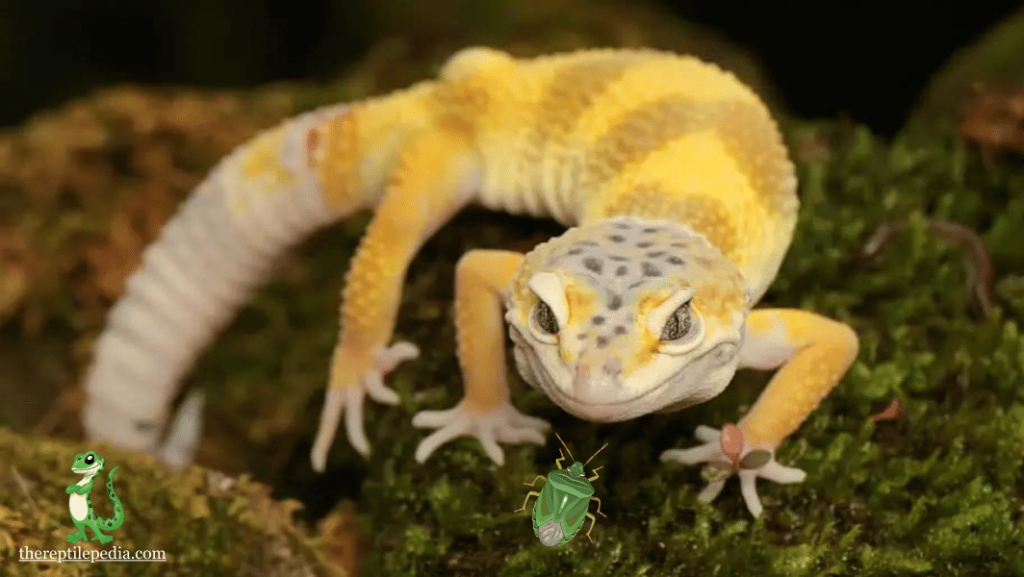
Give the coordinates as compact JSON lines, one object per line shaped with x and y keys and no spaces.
{"x":564,"y":501}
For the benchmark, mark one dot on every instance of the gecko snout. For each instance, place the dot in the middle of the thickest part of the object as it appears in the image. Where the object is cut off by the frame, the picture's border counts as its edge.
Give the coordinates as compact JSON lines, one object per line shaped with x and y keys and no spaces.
{"x":598,"y":380}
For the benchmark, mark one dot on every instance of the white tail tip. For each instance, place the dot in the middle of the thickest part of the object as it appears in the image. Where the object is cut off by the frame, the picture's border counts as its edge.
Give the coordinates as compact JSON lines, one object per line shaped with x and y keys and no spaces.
{"x":179,"y":449}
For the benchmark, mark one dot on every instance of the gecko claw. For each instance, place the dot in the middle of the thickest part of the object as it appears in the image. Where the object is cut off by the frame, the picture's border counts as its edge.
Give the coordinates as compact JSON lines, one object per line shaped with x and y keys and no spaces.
{"x":502,"y":424}
{"x":753,"y":464}
{"x":350,"y":400}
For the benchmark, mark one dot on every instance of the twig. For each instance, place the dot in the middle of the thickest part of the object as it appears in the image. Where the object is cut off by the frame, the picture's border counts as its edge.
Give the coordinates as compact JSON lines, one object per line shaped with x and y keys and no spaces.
{"x":977,"y":259}
{"x":893,"y":412}
{"x":22,"y":484}
{"x":67,"y":401}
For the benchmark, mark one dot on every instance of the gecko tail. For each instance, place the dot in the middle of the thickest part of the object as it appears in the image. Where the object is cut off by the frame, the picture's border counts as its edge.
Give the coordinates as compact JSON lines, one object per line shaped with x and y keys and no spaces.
{"x":178,"y":450}
{"x":209,"y":259}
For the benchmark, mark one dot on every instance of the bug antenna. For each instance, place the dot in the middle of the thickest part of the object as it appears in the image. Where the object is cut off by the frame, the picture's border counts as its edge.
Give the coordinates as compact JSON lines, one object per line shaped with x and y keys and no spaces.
{"x":566,"y":446}
{"x":595,"y":454}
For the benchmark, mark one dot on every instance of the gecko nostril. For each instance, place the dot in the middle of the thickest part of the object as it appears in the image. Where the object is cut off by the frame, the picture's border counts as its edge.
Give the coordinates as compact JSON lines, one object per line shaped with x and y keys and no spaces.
{"x":612,"y":367}
{"x":583,"y":372}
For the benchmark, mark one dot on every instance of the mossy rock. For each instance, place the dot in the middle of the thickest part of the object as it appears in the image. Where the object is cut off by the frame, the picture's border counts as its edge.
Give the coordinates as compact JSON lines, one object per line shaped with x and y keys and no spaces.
{"x":197,"y":522}
{"x":937,"y":492}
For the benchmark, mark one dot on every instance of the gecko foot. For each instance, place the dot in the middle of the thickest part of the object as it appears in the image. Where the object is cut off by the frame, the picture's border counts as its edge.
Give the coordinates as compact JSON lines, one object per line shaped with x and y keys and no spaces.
{"x":502,"y":423}
{"x":747,"y":464}
{"x":350,"y":400}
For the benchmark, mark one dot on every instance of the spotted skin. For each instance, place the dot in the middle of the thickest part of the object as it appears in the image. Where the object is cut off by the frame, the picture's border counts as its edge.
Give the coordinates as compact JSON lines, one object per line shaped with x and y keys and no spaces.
{"x":90,"y":465}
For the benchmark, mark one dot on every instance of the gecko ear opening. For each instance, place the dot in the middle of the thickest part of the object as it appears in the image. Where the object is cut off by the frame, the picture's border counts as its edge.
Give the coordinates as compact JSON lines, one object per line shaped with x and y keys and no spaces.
{"x":552,"y":312}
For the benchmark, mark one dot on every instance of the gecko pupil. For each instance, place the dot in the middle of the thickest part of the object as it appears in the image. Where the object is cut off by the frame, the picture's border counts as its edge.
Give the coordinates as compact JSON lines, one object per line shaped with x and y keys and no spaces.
{"x":546,"y":318}
{"x":89,"y":460}
{"x":678,"y":324}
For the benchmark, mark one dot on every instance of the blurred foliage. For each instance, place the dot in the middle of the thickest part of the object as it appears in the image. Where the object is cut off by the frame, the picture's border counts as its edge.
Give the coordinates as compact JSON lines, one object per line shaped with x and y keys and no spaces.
{"x":995,"y":61}
{"x":938,"y":491}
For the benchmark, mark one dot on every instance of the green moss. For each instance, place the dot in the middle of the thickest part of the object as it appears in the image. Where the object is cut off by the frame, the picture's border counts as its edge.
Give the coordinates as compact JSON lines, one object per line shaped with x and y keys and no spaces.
{"x":204,"y":522}
{"x":937,"y":492}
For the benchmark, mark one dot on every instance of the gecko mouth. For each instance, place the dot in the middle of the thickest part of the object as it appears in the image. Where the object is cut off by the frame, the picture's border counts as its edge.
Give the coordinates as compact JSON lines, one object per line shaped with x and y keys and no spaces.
{"x":593,"y":408}
{"x":602,"y":397}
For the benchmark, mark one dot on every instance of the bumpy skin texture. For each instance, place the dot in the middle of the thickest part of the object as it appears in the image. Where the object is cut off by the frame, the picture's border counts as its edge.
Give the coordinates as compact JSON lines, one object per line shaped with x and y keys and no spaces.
{"x":90,"y":465}
{"x":682,"y":202}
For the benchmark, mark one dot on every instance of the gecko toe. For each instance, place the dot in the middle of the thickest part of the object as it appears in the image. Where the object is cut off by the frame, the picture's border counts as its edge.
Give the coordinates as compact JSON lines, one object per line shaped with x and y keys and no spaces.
{"x":774,"y":471}
{"x":354,"y":421}
{"x":532,"y":423}
{"x":452,"y":430}
{"x":748,"y":488}
{"x":387,"y":358}
{"x":377,"y":390}
{"x":711,"y":491}
{"x":706,"y":434}
{"x":490,"y":445}
{"x":699,"y":454}
{"x":501,"y":424}
{"x":433,"y":419}
{"x":521,"y":435}
{"x":330,"y":418}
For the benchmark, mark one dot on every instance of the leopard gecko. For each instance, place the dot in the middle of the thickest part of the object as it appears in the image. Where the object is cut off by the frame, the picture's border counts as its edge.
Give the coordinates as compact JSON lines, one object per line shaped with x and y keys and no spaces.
{"x":680,"y":203}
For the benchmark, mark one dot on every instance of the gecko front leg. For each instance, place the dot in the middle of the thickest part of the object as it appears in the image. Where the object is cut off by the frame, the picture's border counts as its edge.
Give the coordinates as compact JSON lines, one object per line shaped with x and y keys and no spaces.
{"x":485,"y":411}
{"x":814,"y":353}
{"x":435,"y":177}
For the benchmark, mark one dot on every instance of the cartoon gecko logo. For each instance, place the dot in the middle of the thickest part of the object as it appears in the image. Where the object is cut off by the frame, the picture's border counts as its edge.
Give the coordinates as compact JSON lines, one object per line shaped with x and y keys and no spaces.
{"x":90,"y":465}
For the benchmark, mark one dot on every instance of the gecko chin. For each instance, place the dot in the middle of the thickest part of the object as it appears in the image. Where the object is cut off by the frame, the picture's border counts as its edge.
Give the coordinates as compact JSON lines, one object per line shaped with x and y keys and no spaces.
{"x":599,"y":409}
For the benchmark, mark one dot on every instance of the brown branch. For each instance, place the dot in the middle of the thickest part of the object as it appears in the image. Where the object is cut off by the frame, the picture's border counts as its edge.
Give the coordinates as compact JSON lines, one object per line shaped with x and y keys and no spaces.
{"x":978,"y":259}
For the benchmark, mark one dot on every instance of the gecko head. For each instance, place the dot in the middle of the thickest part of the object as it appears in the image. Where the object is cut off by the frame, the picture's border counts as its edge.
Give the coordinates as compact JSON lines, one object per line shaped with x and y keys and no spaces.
{"x":627,"y":317}
{"x":88,"y":463}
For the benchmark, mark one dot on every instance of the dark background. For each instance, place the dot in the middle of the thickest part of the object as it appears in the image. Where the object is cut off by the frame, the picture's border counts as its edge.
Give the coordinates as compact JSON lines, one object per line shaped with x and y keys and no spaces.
{"x":867,"y":60}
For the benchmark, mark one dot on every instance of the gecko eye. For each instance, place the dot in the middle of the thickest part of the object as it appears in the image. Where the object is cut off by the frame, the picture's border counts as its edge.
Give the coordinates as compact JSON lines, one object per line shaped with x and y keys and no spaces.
{"x":679,"y":325}
{"x":89,"y":459}
{"x":545,"y":318}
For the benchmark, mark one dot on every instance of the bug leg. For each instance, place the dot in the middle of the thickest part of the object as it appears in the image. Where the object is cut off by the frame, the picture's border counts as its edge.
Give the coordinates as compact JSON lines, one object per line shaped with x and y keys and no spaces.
{"x":528,"y":495}
{"x":598,"y":508}
{"x":560,"y":458}
{"x":535,"y":480}
{"x":593,"y":521}
{"x":596,"y":476}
